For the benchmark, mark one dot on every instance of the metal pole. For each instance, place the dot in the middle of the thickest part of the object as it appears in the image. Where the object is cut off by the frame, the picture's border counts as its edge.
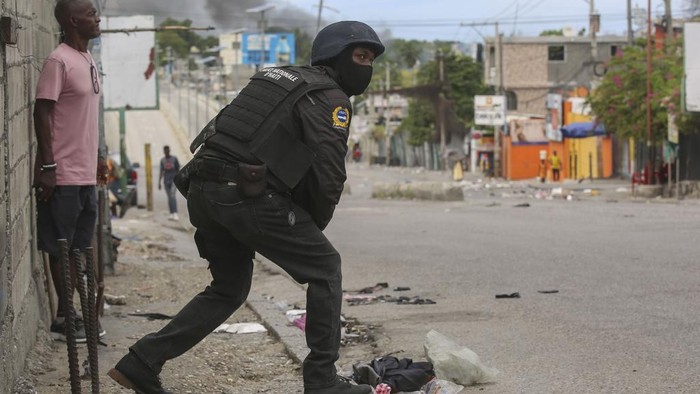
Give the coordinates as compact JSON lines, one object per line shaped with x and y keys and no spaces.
{"x":441,"y":114}
{"x":149,"y":178}
{"x":122,"y":151}
{"x":318,"y":20}
{"x":593,"y":26}
{"x":387,"y":114}
{"x":650,"y":158}
{"x":497,"y":132}
{"x":630,"y":32}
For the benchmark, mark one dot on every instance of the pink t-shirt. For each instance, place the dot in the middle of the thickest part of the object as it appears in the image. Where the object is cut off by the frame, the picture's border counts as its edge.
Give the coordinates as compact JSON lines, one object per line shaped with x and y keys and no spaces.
{"x":66,"y":79}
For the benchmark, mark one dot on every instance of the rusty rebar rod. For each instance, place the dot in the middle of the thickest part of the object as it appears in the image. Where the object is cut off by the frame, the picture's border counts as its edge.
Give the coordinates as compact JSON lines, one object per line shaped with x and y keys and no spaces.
{"x":69,"y":322}
{"x":93,"y":333}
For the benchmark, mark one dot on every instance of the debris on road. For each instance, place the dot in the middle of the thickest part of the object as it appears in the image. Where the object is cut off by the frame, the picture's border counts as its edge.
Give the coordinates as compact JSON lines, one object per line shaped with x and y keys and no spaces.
{"x":240,"y":328}
{"x":511,"y":295}
{"x":456,"y":363}
{"x":548,"y":291}
{"x":152,"y":315}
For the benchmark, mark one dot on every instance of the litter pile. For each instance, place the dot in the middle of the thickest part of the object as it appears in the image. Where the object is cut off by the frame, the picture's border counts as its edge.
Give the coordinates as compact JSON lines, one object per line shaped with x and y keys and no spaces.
{"x":450,"y":367}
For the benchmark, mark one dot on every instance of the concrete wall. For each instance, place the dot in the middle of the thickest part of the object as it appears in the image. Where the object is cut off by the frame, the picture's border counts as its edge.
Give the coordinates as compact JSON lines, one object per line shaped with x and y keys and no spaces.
{"x":23,"y":300}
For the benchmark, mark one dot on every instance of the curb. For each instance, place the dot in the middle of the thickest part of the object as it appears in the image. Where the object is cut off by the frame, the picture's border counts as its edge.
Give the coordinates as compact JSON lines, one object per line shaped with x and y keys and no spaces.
{"x":291,"y":337}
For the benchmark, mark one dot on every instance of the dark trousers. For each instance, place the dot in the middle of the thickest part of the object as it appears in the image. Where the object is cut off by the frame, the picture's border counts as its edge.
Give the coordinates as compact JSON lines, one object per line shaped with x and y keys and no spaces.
{"x":230,"y":229}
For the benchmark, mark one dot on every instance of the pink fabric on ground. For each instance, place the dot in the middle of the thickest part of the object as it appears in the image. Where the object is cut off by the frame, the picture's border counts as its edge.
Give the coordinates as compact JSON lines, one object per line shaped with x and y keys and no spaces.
{"x":300,"y":322}
{"x":382,"y":388}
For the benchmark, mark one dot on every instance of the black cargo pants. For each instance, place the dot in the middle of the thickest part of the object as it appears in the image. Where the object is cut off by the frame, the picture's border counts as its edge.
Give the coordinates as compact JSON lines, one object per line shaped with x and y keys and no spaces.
{"x":230,"y":229}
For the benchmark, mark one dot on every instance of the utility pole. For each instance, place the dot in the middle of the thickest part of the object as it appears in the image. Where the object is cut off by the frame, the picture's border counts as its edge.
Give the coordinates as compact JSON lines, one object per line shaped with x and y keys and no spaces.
{"x":499,"y":129}
{"x":669,"y":20}
{"x":650,"y":152}
{"x":594,"y":24}
{"x":630,"y":32}
{"x":318,"y":20}
{"x":441,"y":110}
{"x":387,"y":114}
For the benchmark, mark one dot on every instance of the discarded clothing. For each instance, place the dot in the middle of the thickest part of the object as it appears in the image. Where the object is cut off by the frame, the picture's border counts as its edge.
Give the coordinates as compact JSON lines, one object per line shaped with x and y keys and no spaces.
{"x":400,"y":375}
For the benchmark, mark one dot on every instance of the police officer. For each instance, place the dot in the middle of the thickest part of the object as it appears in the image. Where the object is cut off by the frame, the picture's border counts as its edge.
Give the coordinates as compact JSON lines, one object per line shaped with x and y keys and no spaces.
{"x":266,"y":177}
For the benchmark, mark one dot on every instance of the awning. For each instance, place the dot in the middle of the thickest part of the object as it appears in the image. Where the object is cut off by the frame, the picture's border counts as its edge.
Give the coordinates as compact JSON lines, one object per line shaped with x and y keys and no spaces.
{"x":582,"y":130}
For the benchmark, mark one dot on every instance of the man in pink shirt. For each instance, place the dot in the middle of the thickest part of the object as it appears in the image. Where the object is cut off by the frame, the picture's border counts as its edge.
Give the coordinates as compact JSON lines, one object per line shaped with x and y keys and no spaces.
{"x":65,"y":117}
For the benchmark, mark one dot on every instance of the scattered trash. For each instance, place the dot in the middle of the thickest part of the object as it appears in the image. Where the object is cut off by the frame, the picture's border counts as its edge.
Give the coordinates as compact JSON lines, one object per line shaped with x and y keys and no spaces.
{"x":548,"y":291}
{"x":240,"y":328}
{"x":414,"y":301}
{"x":402,"y":288}
{"x":511,"y":295}
{"x":493,"y":204}
{"x":152,"y":315}
{"x":370,"y":290}
{"x":440,"y":386}
{"x":115,"y":300}
{"x":400,"y":375}
{"x":297,"y":317}
{"x":455,"y":363}
{"x":362,"y":299}
{"x":557,"y":191}
{"x":523,"y":205}
{"x":359,"y":299}
{"x":354,"y":332}
{"x":300,"y":322}
{"x":621,"y":190}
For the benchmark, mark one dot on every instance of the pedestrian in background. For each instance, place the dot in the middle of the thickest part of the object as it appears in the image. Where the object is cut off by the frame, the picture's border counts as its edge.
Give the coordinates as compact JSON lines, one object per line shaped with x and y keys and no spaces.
{"x":555,"y":165}
{"x":169,"y":166}
{"x":267,"y":175}
{"x":66,"y":167}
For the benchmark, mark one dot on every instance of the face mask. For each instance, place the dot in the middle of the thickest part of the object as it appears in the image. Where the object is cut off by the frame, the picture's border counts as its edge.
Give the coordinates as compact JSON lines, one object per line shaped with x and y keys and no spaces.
{"x":354,"y":78}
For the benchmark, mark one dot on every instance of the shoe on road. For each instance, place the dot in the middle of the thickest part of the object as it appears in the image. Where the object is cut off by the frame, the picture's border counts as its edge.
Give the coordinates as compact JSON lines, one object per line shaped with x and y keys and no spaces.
{"x":132,"y":373}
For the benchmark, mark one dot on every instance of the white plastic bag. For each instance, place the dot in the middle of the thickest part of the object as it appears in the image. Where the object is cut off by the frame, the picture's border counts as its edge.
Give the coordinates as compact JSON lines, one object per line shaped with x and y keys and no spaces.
{"x":456,"y":363}
{"x":439,"y":386}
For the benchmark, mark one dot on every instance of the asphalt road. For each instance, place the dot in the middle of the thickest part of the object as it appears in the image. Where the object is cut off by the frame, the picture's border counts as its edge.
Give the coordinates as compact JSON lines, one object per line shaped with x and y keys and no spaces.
{"x":624,"y":320}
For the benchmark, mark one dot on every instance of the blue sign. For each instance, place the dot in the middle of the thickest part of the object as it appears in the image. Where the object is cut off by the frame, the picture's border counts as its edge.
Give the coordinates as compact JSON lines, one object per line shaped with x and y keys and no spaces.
{"x":279,"y":49}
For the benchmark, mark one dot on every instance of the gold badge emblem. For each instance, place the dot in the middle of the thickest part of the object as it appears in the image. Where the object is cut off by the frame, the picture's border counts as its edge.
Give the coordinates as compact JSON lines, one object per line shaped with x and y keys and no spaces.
{"x":341,"y":117}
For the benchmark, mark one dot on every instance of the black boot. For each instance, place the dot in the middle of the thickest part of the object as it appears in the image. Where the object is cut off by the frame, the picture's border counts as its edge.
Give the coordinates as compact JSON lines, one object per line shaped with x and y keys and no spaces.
{"x":341,"y":387}
{"x":133,"y":374}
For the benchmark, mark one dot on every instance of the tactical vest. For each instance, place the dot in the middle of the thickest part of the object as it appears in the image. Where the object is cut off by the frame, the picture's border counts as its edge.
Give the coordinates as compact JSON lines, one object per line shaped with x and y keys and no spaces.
{"x":257,"y":127}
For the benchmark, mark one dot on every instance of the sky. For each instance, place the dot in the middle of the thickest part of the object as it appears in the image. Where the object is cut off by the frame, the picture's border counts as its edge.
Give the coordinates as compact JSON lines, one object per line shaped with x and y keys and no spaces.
{"x":441,"y":19}
{"x":450,"y":20}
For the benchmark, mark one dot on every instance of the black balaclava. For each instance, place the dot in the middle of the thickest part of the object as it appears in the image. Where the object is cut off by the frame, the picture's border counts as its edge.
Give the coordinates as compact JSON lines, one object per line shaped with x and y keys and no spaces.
{"x":352,"y":77}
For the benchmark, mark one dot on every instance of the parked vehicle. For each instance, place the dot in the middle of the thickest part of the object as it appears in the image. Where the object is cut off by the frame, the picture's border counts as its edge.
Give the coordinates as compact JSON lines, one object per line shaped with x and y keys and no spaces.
{"x":131,"y":193}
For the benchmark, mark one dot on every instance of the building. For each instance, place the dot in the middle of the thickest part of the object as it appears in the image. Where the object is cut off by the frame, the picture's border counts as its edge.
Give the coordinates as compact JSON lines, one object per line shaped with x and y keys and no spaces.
{"x":533,"y":67}
{"x":24,"y":303}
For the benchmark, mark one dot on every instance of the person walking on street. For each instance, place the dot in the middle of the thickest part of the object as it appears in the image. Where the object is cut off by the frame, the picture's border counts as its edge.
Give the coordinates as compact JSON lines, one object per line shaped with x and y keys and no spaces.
{"x":169,"y":166}
{"x":266,"y":177}
{"x":66,"y":167}
{"x":555,"y":165}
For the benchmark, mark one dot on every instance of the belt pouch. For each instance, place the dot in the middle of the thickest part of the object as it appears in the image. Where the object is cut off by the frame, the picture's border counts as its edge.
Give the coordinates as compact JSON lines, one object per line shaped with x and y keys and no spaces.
{"x":251,"y":179}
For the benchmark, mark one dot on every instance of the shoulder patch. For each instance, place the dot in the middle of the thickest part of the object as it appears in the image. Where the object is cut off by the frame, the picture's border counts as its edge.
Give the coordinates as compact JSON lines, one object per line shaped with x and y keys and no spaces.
{"x":341,"y":117}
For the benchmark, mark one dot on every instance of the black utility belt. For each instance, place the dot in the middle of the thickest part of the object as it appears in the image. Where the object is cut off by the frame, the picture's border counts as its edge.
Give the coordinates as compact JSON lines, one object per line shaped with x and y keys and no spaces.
{"x":251,"y":179}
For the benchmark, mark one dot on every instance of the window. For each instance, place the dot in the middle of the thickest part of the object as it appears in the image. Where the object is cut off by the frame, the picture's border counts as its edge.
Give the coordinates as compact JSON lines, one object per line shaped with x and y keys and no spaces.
{"x":511,"y":100}
{"x":613,"y":50}
{"x":555,"y":53}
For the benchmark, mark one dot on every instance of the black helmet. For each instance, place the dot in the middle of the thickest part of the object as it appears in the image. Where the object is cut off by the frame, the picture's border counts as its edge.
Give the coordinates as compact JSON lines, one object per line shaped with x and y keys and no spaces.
{"x":332,"y":39}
